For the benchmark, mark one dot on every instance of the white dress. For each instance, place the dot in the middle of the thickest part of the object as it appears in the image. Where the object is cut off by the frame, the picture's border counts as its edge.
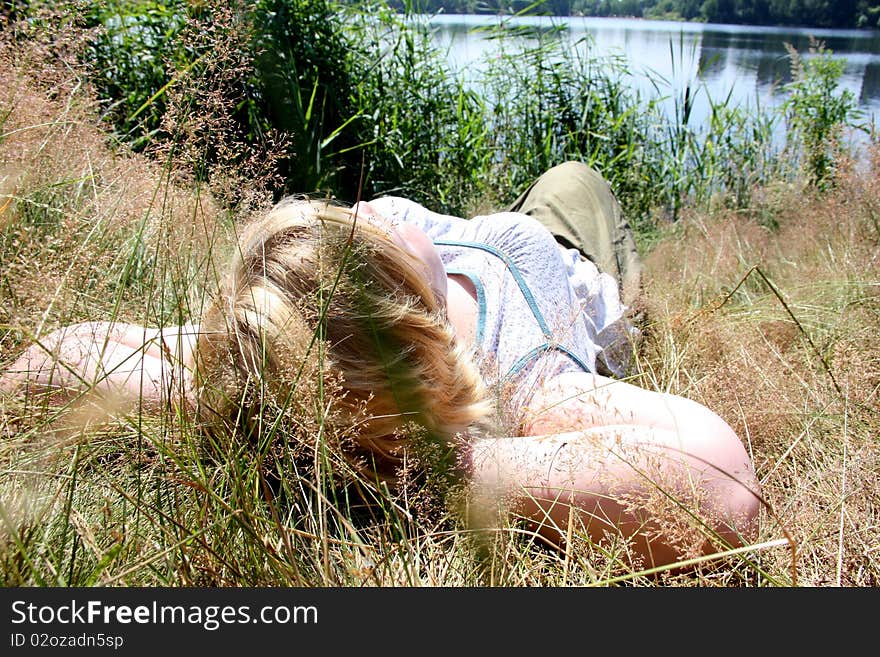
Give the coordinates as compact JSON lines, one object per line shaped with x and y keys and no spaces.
{"x":543,"y":309}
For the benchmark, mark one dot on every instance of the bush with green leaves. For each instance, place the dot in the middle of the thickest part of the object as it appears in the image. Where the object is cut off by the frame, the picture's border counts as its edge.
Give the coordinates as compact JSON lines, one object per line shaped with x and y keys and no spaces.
{"x":134,"y":53}
{"x":269,"y":77}
{"x":816,"y":115}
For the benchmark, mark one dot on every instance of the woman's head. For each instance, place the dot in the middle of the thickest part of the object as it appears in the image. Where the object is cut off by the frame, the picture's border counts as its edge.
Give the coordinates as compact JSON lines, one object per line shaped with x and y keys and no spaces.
{"x":328,"y":323}
{"x":414,"y":241}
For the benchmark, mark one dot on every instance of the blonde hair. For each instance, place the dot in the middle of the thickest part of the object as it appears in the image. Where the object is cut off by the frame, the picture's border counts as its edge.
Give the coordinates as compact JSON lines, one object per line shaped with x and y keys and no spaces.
{"x":324,"y":320}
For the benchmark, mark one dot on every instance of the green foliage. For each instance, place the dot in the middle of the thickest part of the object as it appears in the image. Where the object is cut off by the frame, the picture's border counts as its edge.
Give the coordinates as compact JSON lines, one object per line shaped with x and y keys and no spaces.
{"x":348,"y":100}
{"x":551,"y":103}
{"x":728,"y":156}
{"x":226,"y":78}
{"x":134,"y":54}
{"x":868,"y":14}
{"x":332,"y":101}
{"x":302,"y":79}
{"x":816,"y":115}
{"x":421,"y":132}
{"x":737,"y":154}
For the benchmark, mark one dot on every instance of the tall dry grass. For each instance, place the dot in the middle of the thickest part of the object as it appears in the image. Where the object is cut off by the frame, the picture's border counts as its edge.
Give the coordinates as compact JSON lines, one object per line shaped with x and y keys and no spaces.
{"x":771,"y":318}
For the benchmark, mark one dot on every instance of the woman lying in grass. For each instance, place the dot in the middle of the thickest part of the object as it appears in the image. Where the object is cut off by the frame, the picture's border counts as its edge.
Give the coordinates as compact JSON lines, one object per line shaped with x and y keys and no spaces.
{"x":385,"y":327}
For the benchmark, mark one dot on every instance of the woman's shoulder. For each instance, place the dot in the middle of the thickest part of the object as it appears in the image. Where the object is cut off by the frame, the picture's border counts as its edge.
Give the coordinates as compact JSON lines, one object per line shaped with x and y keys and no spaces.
{"x":398,"y":209}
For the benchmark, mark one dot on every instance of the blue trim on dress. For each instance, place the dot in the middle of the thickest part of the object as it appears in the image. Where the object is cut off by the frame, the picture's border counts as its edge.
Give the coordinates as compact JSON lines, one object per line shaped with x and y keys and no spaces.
{"x":537,"y":351}
{"x":481,"y":301}
{"x":550,"y":345}
{"x":527,"y":293}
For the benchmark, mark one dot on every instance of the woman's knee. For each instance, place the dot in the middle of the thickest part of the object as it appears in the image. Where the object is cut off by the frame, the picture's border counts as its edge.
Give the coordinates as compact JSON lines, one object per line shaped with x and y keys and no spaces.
{"x":731,"y":493}
{"x":706,"y":462}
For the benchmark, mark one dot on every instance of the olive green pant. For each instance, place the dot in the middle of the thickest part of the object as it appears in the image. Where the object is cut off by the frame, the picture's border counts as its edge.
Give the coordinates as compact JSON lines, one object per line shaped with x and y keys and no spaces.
{"x":577,"y":205}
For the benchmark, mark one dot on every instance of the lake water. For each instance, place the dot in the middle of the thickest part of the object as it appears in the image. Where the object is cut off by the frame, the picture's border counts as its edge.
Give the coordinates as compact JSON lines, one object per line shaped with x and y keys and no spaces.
{"x":749,"y":63}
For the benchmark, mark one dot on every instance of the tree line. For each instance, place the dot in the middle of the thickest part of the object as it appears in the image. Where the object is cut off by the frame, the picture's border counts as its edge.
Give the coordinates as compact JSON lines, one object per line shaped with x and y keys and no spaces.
{"x":801,"y":13}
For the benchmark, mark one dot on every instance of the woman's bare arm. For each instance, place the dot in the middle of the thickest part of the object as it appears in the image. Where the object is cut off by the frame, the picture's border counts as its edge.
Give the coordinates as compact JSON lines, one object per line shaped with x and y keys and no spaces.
{"x":147,"y":365}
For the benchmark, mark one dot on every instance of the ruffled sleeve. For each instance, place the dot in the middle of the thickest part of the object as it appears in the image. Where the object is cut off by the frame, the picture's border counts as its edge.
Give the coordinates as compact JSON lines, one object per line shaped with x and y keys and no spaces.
{"x":603,"y":311}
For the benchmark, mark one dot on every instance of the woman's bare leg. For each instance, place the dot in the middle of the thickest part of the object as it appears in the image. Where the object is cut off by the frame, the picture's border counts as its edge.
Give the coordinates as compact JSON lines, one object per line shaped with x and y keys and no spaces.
{"x":660,"y":469}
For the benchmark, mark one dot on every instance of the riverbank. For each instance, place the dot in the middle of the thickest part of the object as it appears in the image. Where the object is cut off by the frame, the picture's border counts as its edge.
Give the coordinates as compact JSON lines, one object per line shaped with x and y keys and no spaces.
{"x":746,"y":12}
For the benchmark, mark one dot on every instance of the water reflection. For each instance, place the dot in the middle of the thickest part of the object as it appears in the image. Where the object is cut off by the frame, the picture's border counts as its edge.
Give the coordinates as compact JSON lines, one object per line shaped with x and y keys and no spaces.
{"x":748,"y":64}
{"x":870,"y":83}
{"x":772,"y":72}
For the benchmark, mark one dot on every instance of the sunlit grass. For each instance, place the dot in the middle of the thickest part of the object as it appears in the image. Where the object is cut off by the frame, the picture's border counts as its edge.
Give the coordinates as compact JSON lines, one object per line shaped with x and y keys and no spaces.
{"x":96,"y":493}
